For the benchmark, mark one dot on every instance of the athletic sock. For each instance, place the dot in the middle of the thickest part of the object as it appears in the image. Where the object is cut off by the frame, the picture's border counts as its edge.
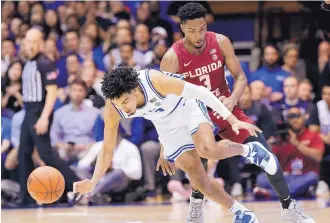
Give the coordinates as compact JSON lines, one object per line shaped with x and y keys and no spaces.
{"x":197,"y":194}
{"x":237,"y":207}
{"x":246,"y":150}
{"x":286,"y":202}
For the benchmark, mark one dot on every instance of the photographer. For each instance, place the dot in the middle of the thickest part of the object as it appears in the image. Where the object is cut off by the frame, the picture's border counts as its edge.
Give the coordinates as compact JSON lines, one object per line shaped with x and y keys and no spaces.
{"x":299,"y":155}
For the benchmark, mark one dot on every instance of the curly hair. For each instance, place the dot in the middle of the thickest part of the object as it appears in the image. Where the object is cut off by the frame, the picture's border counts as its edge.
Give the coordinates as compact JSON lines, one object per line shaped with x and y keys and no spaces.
{"x":119,"y":81}
{"x":191,"y":11}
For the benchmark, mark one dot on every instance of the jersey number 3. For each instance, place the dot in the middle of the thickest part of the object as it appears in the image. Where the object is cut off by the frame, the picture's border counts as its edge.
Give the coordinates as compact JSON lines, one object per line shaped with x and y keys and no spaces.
{"x":206,"y":80}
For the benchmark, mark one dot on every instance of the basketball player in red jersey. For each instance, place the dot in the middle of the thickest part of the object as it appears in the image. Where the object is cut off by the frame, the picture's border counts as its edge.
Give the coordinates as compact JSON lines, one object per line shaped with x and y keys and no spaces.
{"x":200,"y":57}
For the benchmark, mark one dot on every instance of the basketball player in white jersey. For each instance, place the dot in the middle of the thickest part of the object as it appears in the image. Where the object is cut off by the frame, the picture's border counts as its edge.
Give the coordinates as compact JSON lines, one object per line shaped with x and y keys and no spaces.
{"x":184,"y":127}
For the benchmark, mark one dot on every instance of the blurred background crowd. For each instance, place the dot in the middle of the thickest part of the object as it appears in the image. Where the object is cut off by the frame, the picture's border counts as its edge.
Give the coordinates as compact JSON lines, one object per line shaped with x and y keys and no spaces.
{"x":284,"y":50}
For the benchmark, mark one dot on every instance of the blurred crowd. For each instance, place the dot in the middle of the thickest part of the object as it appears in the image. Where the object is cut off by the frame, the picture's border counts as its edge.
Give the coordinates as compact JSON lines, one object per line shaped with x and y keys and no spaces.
{"x":288,"y":97}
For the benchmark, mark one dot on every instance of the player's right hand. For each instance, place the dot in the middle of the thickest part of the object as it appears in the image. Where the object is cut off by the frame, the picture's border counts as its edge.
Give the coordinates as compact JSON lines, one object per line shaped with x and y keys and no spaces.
{"x":83,"y":187}
{"x":167,"y":167}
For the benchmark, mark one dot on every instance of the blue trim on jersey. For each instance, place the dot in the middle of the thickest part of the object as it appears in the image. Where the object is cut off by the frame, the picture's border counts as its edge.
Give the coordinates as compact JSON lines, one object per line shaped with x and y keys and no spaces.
{"x":175,"y":106}
{"x":145,"y":95}
{"x":152,"y":87}
{"x":193,"y":131}
{"x":119,"y":111}
{"x":175,"y":154}
{"x":204,"y":110}
{"x":179,"y":151}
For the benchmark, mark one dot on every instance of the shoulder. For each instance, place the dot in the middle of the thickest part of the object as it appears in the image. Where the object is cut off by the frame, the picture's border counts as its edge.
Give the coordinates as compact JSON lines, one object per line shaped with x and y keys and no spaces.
{"x":92,"y":110}
{"x":62,"y":110}
{"x":320,"y":104}
{"x":43,"y":59}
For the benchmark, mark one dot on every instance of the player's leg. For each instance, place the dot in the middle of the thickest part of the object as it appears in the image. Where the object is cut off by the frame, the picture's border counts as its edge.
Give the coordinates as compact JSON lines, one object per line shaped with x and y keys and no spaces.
{"x":190,"y":163}
{"x":207,"y":147}
{"x":280,"y":185}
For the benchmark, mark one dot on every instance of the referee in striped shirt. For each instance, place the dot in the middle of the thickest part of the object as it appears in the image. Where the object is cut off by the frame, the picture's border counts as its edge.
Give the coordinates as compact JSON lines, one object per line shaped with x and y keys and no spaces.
{"x":39,"y":96}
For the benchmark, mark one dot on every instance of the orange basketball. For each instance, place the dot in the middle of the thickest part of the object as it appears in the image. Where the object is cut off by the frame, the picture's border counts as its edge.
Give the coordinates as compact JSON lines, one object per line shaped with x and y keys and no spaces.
{"x":46,"y":184}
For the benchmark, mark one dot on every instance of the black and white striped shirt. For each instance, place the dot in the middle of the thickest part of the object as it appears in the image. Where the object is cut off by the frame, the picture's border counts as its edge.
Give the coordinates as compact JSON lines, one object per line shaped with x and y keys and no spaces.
{"x":37,"y":73}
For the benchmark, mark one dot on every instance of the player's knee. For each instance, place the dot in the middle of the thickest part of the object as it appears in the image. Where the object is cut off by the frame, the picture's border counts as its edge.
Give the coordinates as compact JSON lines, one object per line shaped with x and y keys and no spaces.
{"x":207,"y":150}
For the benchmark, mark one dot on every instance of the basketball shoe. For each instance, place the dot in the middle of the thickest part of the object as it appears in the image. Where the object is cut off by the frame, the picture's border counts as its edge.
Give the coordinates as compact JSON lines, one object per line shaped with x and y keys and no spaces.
{"x":261,"y":157}
{"x":294,"y":215}
{"x":245,"y":216}
{"x":195,"y":213}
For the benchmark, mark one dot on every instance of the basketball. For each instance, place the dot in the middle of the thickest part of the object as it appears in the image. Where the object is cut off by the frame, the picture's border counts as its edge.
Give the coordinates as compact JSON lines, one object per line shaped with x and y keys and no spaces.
{"x":46,"y":184}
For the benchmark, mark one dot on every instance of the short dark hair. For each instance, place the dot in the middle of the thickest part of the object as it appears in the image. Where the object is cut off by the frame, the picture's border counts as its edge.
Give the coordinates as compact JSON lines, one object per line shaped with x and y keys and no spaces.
{"x":9,"y":40}
{"x":80,"y":82}
{"x":191,"y":11}
{"x":119,"y":81}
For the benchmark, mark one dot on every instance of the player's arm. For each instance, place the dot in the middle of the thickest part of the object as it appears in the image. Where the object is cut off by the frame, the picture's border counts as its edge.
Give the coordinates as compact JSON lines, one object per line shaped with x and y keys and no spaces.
{"x":234,"y":67}
{"x":111,"y":122}
{"x":170,"y":62}
{"x":168,"y":85}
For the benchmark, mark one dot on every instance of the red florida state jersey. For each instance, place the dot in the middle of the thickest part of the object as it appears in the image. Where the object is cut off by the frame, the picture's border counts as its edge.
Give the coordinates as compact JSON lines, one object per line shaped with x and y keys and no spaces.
{"x":206,"y":69}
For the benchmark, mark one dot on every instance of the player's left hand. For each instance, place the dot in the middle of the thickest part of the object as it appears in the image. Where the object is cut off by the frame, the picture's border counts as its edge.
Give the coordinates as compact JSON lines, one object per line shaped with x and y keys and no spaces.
{"x":228,"y":102}
{"x":41,"y":126}
{"x":252,"y":129}
{"x":83,"y":187}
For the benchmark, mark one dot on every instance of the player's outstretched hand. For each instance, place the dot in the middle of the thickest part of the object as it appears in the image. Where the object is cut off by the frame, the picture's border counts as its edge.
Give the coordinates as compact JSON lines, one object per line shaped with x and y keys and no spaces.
{"x":252,"y":129}
{"x":167,"y":167}
{"x":83,"y":187}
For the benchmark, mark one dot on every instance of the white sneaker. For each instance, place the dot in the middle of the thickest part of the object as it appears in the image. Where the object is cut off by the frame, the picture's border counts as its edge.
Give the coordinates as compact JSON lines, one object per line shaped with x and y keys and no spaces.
{"x":236,"y":190}
{"x":294,"y":215}
{"x":322,"y":190}
{"x":195,"y":213}
{"x":245,"y":216}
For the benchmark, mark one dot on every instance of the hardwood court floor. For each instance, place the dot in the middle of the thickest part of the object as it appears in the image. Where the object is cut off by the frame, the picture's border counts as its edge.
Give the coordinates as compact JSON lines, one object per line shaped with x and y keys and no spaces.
{"x":268,"y":212}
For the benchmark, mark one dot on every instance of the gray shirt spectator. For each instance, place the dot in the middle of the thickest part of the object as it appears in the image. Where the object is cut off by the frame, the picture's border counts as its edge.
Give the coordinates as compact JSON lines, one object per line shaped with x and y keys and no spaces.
{"x":73,"y":124}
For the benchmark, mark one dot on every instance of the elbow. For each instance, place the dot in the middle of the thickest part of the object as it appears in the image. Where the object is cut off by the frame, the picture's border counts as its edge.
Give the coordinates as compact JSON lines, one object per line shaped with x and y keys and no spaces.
{"x":319,"y":157}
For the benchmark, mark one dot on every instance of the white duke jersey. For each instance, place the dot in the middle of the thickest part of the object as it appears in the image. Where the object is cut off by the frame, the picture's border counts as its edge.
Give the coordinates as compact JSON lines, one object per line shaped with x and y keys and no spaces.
{"x":156,"y":106}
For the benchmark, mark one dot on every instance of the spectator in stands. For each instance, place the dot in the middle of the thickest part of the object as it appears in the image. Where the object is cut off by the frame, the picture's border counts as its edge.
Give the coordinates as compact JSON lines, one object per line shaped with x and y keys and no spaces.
{"x":71,"y":131}
{"x":22,"y":31}
{"x":89,"y":76}
{"x":71,"y":42}
{"x":159,"y":51}
{"x":324,"y":117}
{"x":37,"y":8}
{"x":291,"y":61}
{"x":15,"y":26}
{"x":72,"y":22}
{"x":91,"y":29}
{"x":86,"y":51}
{"x":143,"y":15}
{"x":291,"y":99}
{"x":52,"y":24}
{"x":126,"y":52}
{"x":320,"y":73}
{"x":37,"y":15}
{"x":125,"y":167}
{"x":91,"y":67}
{"x":158,"y":34}
{"x":258,"y":112}
{"x":12,"y":87}
{"x":51,"y":51}
{"x":160,"y":22}
{"x":113,"y":59}
{"x":123,"y":24}
{"x":72,"y":65}
{"x":118,"y":11}
{"x":4,"y":31}
{"x":142,"y":44}
{"x":23,"y":10}
{"x":271,"y":73}
{"x":11,"y":162}
{"x":306,"y":90}
{"x":7,"y":11}
{"x":8,"y":52}
{"x":299,"y":157}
